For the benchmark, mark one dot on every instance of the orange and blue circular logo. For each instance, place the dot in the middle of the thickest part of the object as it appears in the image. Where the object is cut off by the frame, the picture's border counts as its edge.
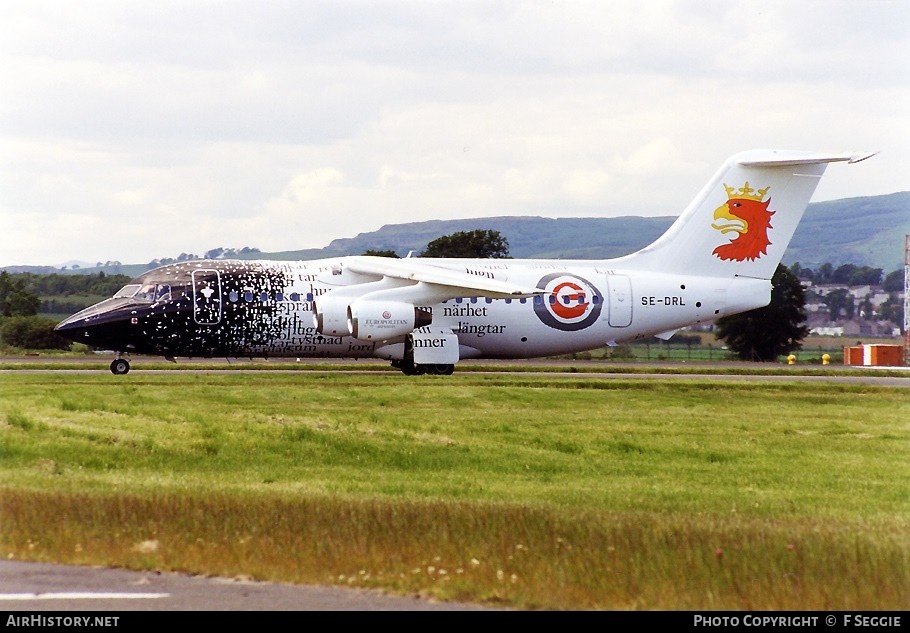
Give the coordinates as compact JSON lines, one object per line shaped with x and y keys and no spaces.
{"x":571,"y":302}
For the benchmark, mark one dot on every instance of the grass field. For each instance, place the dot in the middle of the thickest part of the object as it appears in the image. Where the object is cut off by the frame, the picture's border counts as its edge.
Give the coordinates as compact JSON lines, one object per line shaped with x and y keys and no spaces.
{"x":524,"y":491}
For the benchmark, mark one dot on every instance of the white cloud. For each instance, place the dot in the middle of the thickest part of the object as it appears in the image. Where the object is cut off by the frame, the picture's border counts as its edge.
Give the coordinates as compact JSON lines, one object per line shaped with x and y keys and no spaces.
{"x":131,"y":131}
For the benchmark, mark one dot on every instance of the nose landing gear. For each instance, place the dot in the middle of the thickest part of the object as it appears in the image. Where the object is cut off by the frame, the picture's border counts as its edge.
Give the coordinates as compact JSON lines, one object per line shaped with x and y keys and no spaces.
{"x":120,"y":366}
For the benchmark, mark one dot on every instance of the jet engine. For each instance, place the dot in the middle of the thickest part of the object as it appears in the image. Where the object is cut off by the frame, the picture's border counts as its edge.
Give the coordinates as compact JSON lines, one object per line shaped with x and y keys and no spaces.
{"x":330,"y":316}
{"x":330,"y":310}
{"x":380,"y":320}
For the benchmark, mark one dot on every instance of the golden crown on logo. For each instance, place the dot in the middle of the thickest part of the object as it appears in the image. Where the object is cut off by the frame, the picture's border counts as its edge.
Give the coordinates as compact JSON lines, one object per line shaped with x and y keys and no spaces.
{"x":746,"y":192}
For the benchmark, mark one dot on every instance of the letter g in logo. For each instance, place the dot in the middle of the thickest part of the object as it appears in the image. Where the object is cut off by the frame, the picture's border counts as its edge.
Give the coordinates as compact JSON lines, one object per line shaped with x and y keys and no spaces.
{"x":569,"y":304}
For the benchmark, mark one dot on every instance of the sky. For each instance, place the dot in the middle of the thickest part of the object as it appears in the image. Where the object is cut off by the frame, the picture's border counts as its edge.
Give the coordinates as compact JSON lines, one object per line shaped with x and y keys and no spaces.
{"x":133,"y":131}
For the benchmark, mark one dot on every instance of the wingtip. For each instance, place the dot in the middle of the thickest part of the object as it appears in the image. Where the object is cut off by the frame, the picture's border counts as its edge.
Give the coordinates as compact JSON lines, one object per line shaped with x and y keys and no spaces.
{"x":856,"y":158}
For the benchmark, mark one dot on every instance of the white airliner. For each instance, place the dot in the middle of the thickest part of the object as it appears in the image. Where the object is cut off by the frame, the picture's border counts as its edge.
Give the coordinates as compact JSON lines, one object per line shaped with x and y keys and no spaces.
{"x":425,"y":315}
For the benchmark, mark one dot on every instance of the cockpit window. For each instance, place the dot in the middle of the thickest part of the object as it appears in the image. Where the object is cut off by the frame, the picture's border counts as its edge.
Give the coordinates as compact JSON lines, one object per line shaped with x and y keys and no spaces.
{"x":148,"y":292}
{"x":127,"y":291}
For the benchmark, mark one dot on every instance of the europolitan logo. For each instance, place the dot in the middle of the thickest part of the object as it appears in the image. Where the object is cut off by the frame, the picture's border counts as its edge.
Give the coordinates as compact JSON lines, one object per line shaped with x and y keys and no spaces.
{"x":570,"y":304}
{"x":745,"y":214}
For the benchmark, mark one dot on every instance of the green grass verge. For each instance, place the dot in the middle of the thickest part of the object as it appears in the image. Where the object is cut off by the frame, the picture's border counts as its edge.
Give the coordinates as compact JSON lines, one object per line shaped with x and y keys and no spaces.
{"x":524,"y":491}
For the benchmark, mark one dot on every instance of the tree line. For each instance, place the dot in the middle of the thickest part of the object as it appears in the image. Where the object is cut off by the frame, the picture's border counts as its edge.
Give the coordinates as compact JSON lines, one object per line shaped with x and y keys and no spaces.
{"x":66,"y":294}
{"x":850,"y":275}
{"x":49,"y":284}
{"x":215,"y":253}
{"x":20,"y":325}
{"x":762,"y":334}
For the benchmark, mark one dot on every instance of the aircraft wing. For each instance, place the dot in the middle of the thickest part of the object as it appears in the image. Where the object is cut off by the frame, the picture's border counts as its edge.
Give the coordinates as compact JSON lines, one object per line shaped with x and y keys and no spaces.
{"x":445,"y":281}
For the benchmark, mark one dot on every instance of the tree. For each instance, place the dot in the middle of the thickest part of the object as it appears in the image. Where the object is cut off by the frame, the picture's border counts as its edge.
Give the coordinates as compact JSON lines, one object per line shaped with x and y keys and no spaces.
{"x":825,"y":272}
{"x":866,"y":276}
{"x":32,"y":332}
{"x":894,"y":281}
{"x":778,"y":328}
{"x":380,"y":253}
{"x":481,"y":243}
{"x":839,"y":301}
{"x":15,"y":300}
{"x":805,"y":274}
{"x":843,"y":273}
{"x":892,"y":309}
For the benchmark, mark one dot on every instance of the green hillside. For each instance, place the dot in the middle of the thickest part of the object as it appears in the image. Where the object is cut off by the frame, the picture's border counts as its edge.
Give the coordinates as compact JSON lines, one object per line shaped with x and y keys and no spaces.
{"x":867,"y":231}
{"x":534,"y":237}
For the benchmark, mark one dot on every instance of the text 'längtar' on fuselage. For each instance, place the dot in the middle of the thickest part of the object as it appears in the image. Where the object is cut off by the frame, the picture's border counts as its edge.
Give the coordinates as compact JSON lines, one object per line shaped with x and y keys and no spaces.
{"x":425,"y":315}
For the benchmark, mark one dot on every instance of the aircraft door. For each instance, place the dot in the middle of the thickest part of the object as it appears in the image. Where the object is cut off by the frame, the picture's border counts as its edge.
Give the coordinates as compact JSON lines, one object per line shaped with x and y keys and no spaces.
{"x":206,"y":297}
{"x":619,"y":292}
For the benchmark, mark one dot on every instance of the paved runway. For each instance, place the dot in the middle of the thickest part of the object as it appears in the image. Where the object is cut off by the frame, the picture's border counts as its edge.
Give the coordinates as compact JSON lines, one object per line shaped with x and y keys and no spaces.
{"x":881,"y":376}
{"x":40,"y":587}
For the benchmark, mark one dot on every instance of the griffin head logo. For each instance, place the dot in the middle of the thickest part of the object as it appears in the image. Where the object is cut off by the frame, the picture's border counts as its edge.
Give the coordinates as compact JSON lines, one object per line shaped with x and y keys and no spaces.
{"x":745,"y":214}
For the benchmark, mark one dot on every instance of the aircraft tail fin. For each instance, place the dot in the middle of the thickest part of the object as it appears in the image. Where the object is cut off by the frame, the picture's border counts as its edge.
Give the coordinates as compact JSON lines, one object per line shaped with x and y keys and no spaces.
{"x":742,"y":221}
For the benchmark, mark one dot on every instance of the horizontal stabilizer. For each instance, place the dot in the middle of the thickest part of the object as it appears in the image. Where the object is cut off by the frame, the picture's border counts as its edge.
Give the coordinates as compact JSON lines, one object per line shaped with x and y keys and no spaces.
{"x":783,"y":158}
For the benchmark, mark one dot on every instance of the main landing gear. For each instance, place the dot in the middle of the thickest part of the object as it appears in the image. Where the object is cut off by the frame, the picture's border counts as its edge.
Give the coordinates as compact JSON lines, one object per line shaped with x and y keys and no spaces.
{"x":414,"y":369}
{"x":120,"y":366}
{"x":440,"y":370}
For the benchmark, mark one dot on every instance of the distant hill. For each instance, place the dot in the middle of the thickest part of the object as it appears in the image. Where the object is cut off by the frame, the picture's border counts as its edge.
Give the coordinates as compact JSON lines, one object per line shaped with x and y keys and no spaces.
{"x":558,"y":238}
{"x":867,"y":231}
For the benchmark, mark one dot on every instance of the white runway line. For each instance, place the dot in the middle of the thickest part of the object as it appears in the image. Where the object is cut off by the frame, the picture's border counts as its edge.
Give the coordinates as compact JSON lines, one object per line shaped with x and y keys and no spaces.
{"x":82,"y":596}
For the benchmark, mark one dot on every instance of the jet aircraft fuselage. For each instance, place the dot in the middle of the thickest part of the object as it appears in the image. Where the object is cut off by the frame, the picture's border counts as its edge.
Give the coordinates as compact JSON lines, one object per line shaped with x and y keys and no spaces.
{"x":424,"y":315}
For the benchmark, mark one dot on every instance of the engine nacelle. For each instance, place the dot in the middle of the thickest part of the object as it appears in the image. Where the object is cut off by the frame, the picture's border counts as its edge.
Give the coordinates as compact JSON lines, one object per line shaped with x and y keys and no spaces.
{"x":370,"y":320}
{"x":330,"y":316}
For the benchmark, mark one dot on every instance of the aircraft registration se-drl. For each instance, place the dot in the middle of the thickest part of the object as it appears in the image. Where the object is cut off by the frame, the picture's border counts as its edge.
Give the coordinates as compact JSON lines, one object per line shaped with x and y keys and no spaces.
{"x":425,"y":315}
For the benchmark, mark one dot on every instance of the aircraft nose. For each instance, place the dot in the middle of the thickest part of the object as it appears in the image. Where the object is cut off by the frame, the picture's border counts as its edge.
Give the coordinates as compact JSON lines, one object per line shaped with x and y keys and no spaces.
{"x":71,"y":328}
{"x":92,"y":319}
